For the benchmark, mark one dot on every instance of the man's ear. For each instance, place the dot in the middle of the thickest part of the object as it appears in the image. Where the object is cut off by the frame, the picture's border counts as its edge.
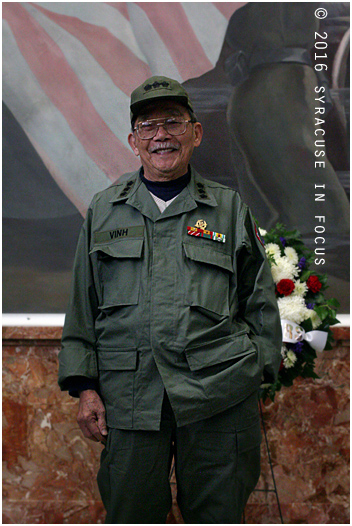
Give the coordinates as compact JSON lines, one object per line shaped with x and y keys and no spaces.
{"x":132,"y":143}
{"x":198,"y":133}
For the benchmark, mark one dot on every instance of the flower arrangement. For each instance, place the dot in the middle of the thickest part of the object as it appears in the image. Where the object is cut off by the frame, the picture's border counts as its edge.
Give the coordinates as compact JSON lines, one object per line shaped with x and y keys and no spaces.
{"x":305,"y":313}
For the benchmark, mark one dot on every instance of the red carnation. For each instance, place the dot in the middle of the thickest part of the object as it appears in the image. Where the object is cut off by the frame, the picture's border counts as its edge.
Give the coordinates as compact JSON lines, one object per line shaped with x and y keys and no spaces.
{"x":285,"y":287}
{"x":313,"y":284}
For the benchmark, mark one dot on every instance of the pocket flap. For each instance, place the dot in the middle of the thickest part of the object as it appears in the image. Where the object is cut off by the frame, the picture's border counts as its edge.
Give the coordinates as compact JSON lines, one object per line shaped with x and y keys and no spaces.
{"x":117,"y":360}
{"x":123,"y":248}
{"x":206,"y":254}
{"x":219,"y":351}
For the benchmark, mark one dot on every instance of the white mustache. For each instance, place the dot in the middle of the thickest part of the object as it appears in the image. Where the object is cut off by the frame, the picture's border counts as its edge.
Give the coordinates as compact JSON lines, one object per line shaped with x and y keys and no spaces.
{"x":163,"y":146}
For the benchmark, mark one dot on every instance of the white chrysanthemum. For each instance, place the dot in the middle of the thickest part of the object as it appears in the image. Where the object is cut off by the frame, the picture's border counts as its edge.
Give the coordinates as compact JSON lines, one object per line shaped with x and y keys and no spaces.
{"x":262,"y":232}
{"x":300,"y":289}
{"x":291,"y":255}
{"x":272,"y":249}
{"x":290,"y":359}
{"x":284,"y":350}
{"x":283,"y":269}
{"x":316,"y":321}
{"x":293,"y":308}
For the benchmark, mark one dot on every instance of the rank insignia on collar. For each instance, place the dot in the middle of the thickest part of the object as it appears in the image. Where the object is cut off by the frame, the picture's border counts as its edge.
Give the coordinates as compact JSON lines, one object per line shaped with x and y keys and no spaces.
{"x":207,"y":234}
{"x":201,"y":224}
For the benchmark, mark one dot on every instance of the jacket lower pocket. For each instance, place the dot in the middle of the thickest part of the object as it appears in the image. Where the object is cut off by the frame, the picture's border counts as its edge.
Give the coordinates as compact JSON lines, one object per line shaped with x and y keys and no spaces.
{"x":227,"y":368}
{"x":116,"y":381}
{"x":218,"y":351}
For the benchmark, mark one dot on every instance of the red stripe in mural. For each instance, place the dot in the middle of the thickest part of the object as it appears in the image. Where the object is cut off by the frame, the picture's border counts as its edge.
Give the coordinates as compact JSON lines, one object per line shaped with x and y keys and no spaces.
{"x":125,"y":69}
{"x":62,"y":86}
{"x":170,"y":21}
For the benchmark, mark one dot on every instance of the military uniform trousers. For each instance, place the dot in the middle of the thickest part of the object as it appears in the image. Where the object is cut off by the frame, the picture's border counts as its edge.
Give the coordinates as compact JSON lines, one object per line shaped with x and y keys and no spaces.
{"x":217,"y":464}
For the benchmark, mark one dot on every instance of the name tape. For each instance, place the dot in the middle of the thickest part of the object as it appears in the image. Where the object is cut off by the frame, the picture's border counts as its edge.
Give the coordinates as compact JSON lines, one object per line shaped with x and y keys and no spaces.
{"x":110,"y":235}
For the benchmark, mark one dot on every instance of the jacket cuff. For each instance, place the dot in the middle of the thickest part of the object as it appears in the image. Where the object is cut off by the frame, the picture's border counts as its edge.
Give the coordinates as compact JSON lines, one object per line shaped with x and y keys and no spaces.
{"x":76,"y":384}
{"x":76,"y":361}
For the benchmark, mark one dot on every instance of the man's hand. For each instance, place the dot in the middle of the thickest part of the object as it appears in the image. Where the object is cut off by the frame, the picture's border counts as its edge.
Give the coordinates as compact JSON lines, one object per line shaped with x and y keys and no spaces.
{"x":91,"y":416}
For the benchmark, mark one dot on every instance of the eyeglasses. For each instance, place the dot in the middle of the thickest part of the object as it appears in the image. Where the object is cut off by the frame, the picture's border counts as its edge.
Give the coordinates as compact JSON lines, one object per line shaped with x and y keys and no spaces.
{"x":148,"y":129}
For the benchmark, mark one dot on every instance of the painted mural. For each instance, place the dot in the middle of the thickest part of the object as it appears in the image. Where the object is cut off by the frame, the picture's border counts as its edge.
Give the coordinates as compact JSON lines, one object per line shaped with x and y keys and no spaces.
{"x":68,"y":71}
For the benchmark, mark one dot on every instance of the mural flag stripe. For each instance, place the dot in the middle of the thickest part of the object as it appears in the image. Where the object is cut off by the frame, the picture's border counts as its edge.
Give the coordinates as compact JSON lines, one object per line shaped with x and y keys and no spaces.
{"x":184,"y":47}
{"x":122,"y":65}
{"x":60,"y":83}
{"x":121,"y":7}
{"x":67,"y":155}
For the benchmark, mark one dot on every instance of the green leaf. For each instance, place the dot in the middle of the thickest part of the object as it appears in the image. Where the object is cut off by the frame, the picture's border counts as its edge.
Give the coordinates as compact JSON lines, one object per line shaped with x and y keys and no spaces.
{"x":323,"y":278}
{"x":305,"y":275}
{"x":307,"y":325}
{"x":322,"y":312}
{"x":318,"y":298}
{"x":332,"y":302}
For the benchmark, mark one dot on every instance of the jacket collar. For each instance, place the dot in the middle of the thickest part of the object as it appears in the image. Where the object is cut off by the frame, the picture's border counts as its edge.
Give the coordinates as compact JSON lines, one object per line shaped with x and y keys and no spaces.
{"x":124,"y":187}
{"x":132,"y":191}
{"x":200,"y":191}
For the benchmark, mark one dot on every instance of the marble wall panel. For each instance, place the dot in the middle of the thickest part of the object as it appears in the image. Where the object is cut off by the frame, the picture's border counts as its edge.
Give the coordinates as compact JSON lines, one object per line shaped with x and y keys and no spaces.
{"x":308,"y":434}
{"x":49,"y":468}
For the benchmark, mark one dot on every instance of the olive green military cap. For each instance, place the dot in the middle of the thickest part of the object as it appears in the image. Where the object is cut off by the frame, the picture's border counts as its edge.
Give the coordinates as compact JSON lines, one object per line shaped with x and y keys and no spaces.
{"x":158,"y":87}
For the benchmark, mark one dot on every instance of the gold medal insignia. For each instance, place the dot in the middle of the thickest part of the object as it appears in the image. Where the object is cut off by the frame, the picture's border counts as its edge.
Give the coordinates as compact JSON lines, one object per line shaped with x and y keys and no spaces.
{"x":201,"y":224}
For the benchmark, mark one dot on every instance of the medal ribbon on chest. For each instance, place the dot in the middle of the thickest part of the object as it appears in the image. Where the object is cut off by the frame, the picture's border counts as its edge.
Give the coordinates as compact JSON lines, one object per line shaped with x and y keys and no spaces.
{"x":207,"y":234}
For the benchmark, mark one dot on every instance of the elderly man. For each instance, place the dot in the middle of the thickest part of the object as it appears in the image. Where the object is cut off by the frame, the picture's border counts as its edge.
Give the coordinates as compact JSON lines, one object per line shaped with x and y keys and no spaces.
{"x":172,"y":326}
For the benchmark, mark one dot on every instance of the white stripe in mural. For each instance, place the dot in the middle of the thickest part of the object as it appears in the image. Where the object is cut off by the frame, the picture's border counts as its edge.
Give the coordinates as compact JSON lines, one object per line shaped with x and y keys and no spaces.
{"x":157,"y":55}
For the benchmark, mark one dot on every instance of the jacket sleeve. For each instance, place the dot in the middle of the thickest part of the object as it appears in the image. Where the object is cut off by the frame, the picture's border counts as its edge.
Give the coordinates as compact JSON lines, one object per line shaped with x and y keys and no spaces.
{"x":78,"y":346}
{"x":256,"y":294}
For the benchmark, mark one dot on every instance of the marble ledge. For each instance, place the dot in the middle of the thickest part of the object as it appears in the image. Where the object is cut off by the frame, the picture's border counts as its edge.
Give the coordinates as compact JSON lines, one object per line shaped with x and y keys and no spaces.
{"x":31,"y":333}
{"x":341,"y":333}
{"x":54,"y":333}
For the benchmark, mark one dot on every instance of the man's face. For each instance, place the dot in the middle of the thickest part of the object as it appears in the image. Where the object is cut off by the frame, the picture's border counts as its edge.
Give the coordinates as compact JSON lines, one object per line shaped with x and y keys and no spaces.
{"x":166,"y":157}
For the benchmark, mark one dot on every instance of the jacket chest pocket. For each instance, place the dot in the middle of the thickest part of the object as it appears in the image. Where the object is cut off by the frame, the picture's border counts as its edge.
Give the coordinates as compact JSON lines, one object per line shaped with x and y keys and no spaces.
{"x":119,"y":269}
{"x":207,"y":278}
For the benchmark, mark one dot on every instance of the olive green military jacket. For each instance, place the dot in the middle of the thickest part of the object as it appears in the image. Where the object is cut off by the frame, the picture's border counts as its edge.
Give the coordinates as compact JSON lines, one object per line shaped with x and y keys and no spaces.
{"x":154,"y":307}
